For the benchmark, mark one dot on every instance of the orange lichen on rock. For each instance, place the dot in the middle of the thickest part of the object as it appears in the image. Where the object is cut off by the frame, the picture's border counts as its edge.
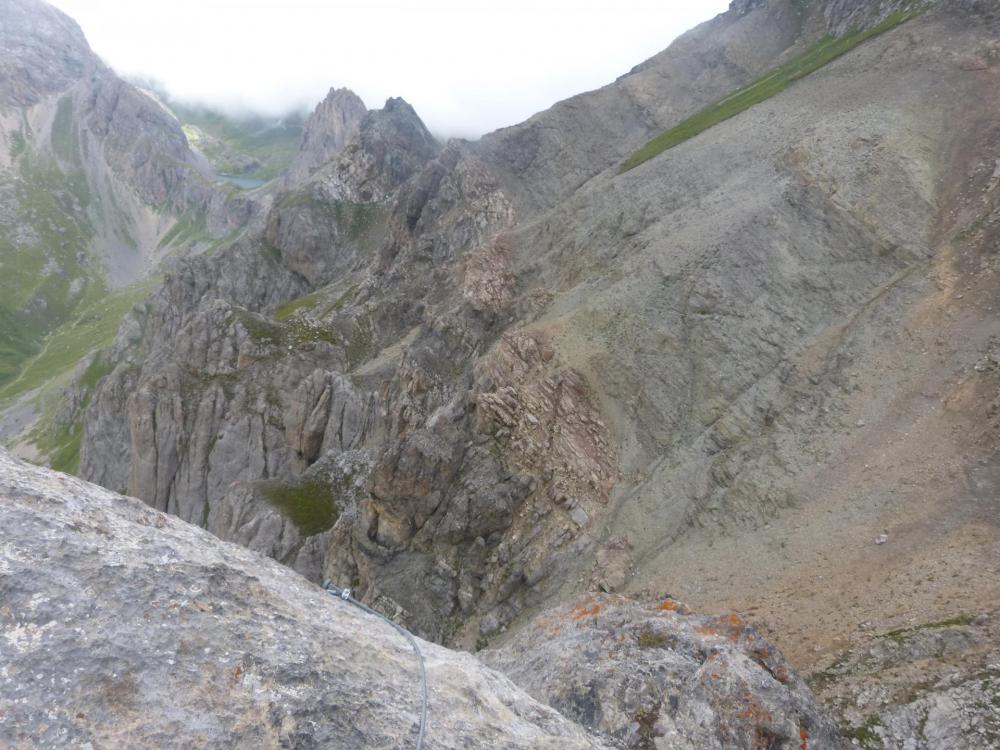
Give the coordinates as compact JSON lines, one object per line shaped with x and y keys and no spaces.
{"x":754,"y":712}
{"x":586,"y":607}
{"x":803,"y":738}
{"x":591,"y":605}
{"x":731,"y":626}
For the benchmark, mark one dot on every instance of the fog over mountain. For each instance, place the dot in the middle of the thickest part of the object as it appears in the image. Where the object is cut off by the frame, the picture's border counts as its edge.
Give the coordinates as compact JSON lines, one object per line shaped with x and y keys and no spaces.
{"x":465,"y":67}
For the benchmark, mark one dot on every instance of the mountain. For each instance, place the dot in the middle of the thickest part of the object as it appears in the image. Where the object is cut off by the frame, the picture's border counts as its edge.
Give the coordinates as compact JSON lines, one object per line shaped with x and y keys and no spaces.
{"x":722,"y":330}
{"x":98,"y":188}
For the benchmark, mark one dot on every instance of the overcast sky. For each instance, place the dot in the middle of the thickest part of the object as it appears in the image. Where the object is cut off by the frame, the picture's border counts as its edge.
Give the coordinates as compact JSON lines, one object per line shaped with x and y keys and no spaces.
{"x":467,"y":66}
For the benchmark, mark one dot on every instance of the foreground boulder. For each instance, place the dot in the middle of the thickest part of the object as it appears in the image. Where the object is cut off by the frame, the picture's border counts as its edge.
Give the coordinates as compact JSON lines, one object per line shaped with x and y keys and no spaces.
{"x":663,"y":677}
{"x":122,"y":626}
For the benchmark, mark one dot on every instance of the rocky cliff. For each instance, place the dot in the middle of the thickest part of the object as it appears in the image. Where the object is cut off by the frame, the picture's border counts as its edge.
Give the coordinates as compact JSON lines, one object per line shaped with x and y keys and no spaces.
{"x":97,"y":187}
{"x":123,"y":155}
{"x":122,"y":625}
{"x":471,"y":379}
{"x":333,"y":123}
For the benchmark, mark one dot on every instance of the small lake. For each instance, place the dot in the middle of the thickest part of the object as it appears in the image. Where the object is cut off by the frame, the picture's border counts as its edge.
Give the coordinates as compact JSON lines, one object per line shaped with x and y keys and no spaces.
{"x":246,"y":183}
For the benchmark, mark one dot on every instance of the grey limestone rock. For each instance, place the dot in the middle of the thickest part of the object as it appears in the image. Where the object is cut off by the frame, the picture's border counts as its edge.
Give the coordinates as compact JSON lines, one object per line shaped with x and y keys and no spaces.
{"x":123,"y":626}
{"x":659,"y":676}
{"x":333,"y":123}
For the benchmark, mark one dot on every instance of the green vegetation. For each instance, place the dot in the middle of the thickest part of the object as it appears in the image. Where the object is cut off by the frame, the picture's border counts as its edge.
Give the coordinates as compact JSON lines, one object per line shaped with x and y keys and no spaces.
{"x":188,"y":229}
{"x":58,"y":433}
{"x":97,"y":369}
{"x":311,"y":503}
{"x":825,"y":51}
{"x":865,"y":736}
{"x":314,"y":300}
{"x":355,"y":218}
{"x":60,"y":443}
{"x":16,"y":345}
{"x":902,"y":635}
{"x":229,"y":142}
{"x":55,"y":305}
{"x":291,"y":333}
{"x":44,"y":274}
{"x":18,"y":144}
{"x":301,"y":198}
{"x":195,"y":382}
{"x":362,"y":342}
{"x":65,"y":143}
{"x":222,"y":242}
{"x":94,"y":326}
{"x":308,"y":302}
{"x":345,"y":299}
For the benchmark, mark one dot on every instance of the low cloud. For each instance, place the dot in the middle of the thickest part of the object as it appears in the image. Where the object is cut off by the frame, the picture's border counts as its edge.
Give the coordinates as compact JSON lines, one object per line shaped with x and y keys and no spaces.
{"x":467,"y":67}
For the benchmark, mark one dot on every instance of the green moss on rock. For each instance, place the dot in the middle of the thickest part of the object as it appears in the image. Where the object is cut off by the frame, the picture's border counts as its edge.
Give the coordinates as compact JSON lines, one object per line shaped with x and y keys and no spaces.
{"x":310,"y":503}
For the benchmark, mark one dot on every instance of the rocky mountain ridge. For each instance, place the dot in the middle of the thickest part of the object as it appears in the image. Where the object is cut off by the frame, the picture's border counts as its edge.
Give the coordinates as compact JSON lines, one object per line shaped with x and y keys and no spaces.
{"x":470,"y":380}
{"x":98,"y":187}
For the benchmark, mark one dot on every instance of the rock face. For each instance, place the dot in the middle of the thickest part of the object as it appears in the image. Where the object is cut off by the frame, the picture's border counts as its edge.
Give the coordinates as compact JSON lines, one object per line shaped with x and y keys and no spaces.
{"x":141,"y":629}
{"x":97,"y":187}
{"x":471,"y":379}
{"x":120,"y":624}
{"x":59,"y":100}
{"x":331,"y":126}
{"x":662,"y":677}
{"x":44,"y":52}
{"x":932,"y":685}
{"x":402,"y":239}
{"x":554,"y":153}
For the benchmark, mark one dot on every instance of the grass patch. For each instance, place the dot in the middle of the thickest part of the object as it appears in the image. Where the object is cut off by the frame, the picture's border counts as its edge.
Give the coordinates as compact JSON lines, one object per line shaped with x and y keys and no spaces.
{"x":187,"y":229}
{"x":67,"y":458}
{"x":97,"y":369}
{"x":865,"y":736}
{"x":311,"y":504}
{"x":355,"y":218}
{"x":59,"y":433}
{"x":292,"y":333}
{"x":346,"y":298}
{"x":64,"y":139}
{"x":774,"y":82}
{"x":222,"y":242}
{"x":308,"y":302}
{"x":44,"y":273}
{"x":94,"y":327}
{"x":902,"y":635}
{"x":18,"y":144}
{"x":16,"y":345}
{"x":362,"y":342}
